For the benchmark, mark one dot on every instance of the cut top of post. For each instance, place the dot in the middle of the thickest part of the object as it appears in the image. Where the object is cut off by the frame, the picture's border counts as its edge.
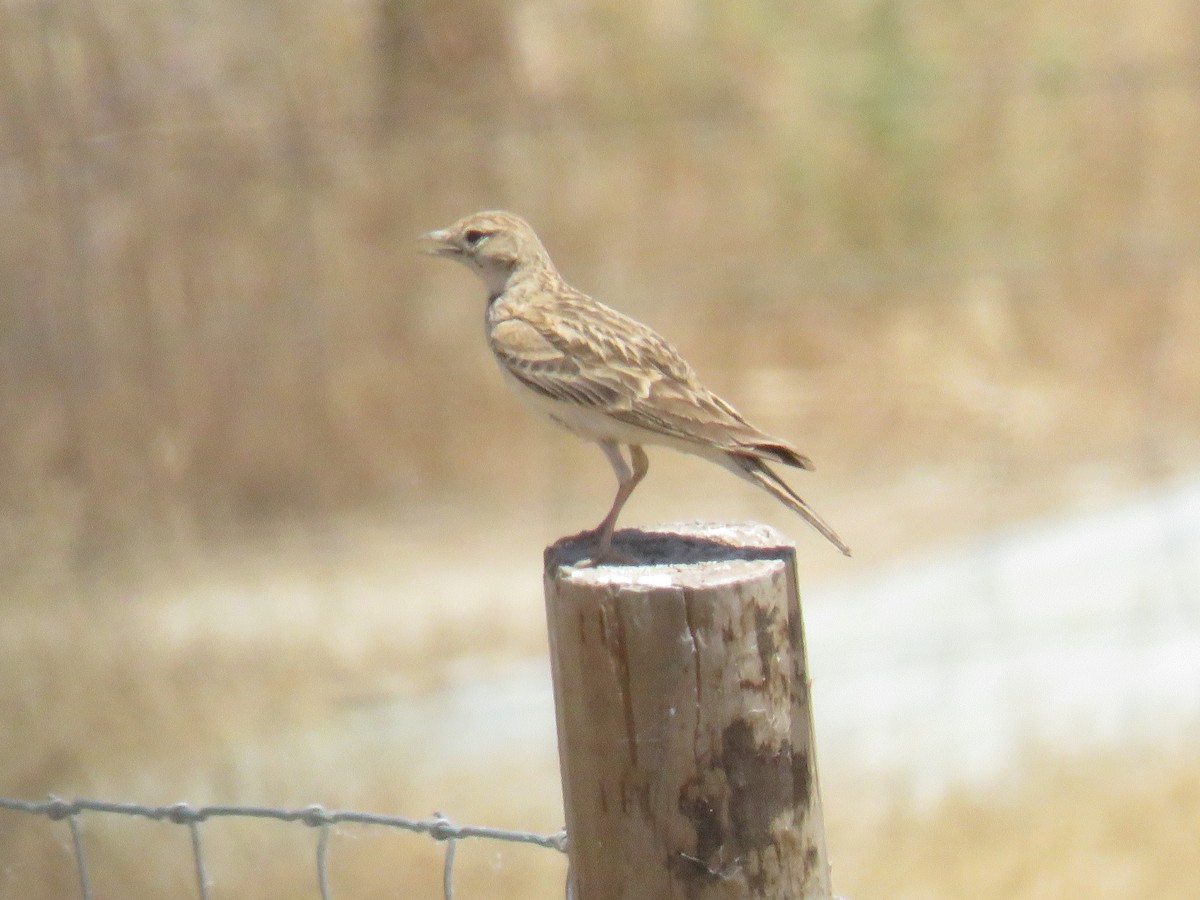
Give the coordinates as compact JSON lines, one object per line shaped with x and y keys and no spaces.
{"x":683,"y":554}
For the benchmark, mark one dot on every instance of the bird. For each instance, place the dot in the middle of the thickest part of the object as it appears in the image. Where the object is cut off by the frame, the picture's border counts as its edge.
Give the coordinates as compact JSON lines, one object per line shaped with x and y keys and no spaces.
{"x":603,"y":375}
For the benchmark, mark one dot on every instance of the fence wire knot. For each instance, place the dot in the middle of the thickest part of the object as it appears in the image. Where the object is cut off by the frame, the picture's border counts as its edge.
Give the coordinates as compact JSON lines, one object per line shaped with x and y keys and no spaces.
{"x":316,"y":816}
{"x":183,"y":814}
{"x":57,"y":808}
{"x":442,"y":829}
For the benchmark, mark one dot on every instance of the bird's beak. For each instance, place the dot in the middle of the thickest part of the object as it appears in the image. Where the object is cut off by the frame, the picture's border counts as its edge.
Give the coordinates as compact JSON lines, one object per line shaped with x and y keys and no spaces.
{"x":439,"y":243}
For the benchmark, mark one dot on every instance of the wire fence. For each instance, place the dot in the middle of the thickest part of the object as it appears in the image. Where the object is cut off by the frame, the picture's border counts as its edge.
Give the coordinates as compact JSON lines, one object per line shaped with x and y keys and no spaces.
{"x":439,"y":828}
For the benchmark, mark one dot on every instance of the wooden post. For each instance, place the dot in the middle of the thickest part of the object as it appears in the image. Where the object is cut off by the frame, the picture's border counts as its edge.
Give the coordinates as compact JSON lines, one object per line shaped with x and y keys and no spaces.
{"x":684,"y":725}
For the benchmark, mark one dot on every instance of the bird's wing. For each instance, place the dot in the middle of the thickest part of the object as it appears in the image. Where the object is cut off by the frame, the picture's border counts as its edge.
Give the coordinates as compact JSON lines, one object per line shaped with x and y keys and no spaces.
{"x":584,"y":353}
{"x":526,"y":353}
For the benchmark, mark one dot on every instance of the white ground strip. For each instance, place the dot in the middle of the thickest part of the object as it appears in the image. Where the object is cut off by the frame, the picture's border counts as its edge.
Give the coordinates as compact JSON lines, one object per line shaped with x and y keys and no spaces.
{"x":1071,"y":634}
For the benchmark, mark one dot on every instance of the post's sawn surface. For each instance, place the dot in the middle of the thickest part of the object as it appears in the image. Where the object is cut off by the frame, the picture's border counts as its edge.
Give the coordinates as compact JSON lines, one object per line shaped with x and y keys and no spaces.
{"x":684,"y":718}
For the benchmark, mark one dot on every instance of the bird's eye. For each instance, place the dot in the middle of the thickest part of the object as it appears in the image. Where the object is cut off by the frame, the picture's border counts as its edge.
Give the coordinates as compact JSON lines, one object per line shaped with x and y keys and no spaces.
{"x":474,"y":236}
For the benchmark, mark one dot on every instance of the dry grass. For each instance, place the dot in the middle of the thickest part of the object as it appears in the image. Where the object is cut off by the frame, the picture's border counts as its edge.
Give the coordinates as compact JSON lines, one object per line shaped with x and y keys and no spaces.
{"x":937,"y":246}
{"x":213,"y":313}
{"x":1108,"y":825}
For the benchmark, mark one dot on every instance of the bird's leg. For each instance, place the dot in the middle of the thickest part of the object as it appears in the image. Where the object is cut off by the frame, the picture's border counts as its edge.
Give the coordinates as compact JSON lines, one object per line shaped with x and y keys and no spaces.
{"x":627,"y":480}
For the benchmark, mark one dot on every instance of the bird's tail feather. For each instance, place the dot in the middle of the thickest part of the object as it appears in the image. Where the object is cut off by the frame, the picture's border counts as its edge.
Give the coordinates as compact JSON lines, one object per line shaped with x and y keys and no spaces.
{"x":779,"y":452}
{"x":757,"y":472}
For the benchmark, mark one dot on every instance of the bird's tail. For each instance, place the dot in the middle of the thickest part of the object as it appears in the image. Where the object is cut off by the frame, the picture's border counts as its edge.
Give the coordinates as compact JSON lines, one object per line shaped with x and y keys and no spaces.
{"x":757,"y":472}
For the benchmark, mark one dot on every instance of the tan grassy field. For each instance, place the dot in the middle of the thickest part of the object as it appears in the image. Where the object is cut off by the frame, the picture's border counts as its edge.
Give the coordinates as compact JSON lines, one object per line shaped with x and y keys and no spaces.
{"x":953,"y":229}
{"x":954,"y":254}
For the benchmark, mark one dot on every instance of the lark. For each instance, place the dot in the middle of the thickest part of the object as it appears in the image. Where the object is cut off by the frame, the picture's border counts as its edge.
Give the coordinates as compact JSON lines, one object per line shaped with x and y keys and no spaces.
{"x":604,"y":376}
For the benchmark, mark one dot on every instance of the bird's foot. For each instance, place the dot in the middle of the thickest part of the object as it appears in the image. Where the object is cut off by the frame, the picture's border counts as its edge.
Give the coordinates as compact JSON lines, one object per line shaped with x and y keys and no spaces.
{"x":613,"y":557}
{"x":605,"y":554}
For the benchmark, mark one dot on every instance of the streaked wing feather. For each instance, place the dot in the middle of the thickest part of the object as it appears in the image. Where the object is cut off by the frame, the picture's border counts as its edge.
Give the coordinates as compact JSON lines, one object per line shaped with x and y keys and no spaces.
{"x":536,"y":362}
{"x":580,"y":351}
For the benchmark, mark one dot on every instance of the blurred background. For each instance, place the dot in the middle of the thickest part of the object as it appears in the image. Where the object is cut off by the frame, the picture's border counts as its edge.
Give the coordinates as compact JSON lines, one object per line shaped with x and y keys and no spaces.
{"x":270,"y":524}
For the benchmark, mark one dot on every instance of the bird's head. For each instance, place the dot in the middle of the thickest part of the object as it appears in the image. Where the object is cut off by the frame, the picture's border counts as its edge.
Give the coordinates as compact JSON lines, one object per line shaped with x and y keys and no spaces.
{"x":496,"y":245}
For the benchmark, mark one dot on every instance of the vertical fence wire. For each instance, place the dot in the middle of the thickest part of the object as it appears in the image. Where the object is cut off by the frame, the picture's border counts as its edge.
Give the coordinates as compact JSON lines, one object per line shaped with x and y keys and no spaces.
{"x":198,"y":860}
{"x":448,"y":870}
{"x":323,"y":861}
{"x":442,"y":831}
{"x":85,"y":887}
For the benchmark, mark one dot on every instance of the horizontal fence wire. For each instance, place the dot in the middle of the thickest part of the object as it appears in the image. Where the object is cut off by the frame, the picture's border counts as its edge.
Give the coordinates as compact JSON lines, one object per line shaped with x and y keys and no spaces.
{"x":439,"y":828}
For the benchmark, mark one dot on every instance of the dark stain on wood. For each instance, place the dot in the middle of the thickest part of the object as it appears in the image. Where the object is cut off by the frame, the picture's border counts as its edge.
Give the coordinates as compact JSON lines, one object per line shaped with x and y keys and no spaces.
{"x":701,"y":800}
{"x":764,"y":636}
{"x":759,"y":785}
{"x":800,"y":782}
{"x":734,"y":805}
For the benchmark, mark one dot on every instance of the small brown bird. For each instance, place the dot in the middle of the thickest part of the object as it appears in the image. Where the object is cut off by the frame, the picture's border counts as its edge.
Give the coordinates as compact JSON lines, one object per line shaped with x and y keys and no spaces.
{"x":602,"y":375}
